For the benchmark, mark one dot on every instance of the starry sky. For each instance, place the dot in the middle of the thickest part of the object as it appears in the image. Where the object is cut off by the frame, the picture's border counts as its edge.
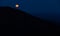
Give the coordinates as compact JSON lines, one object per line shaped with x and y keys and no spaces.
{"x":46,"y":9}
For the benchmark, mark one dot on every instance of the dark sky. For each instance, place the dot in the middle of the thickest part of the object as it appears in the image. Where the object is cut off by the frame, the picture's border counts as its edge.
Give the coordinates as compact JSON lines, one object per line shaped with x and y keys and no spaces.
{"x":46,"y":9}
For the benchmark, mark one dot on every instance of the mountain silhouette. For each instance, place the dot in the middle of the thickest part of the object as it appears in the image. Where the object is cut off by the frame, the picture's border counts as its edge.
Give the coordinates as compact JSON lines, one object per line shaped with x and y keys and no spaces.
{"x":26,"y":24}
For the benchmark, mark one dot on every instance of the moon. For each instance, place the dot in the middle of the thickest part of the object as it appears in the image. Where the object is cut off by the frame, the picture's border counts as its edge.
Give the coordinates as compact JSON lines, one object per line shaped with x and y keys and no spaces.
{"x":17,"y":5}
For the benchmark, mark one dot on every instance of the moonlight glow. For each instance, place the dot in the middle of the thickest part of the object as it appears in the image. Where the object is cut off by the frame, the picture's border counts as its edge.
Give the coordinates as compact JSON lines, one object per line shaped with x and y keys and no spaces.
{"x":17,"y":5}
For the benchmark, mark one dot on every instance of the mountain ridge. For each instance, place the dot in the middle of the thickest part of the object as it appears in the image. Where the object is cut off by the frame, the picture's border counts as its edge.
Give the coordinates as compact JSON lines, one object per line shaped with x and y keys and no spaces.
{"x":25,"y":23}
{"x":16,"y":10}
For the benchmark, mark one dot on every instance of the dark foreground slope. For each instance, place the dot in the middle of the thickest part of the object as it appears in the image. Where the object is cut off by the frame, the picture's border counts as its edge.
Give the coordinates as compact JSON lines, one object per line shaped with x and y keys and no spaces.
{"x":26,"y":24}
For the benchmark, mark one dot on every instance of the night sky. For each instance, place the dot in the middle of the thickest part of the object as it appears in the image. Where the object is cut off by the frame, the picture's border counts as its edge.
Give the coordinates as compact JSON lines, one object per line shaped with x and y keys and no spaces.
{"x":46,"y":9}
